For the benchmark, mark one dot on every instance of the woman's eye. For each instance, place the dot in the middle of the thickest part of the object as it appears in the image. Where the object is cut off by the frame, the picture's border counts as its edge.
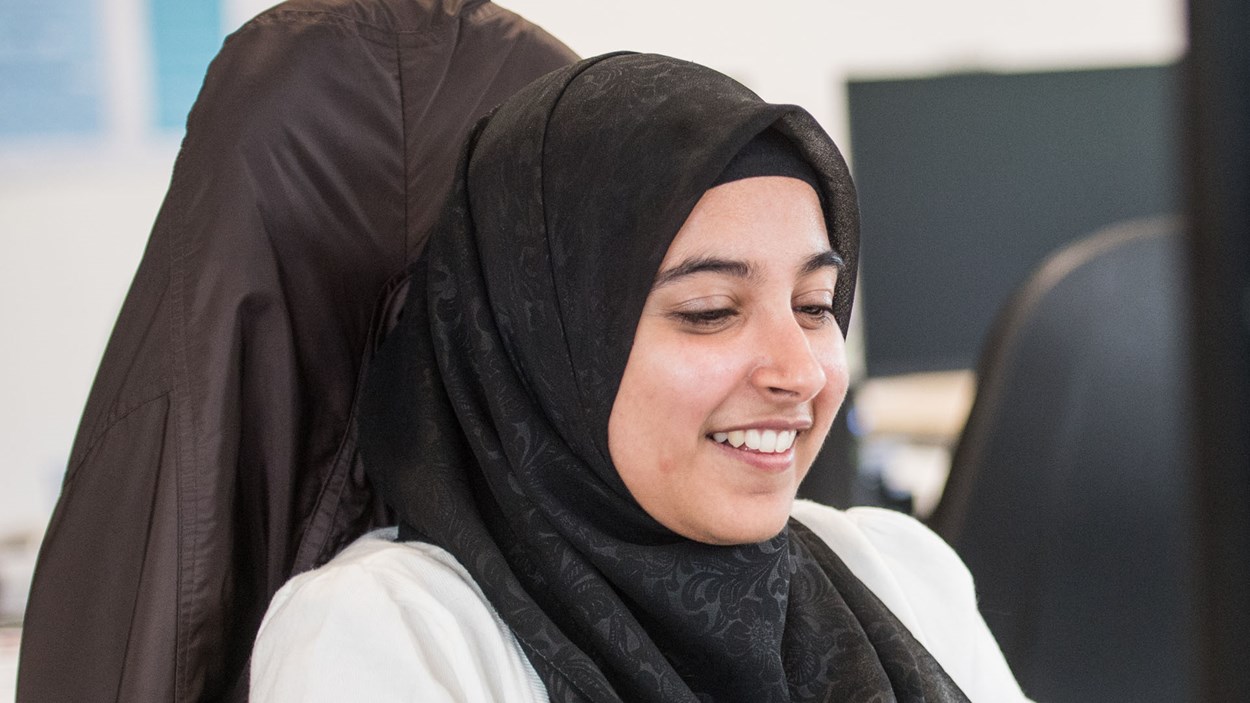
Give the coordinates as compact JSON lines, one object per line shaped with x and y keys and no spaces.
{"x":819,"y":314}
{"x":705,"y":319}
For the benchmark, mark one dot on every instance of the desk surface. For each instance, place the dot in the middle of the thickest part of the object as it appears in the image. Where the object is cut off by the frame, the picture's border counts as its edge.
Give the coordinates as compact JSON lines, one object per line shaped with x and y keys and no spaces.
{"x":9,"y":639}
{"x":929,"y":407}
{"x":908,"y":427}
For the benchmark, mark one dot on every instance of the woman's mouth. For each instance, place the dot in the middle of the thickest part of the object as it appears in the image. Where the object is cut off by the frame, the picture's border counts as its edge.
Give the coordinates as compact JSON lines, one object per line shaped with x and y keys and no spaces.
{"x":759,"y":440}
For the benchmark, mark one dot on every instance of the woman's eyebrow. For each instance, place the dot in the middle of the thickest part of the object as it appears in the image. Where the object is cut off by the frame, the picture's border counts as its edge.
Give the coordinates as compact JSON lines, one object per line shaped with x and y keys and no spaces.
{"x":739,"y":269}
{"x":703,"y":264}
{"x":824,"y":259}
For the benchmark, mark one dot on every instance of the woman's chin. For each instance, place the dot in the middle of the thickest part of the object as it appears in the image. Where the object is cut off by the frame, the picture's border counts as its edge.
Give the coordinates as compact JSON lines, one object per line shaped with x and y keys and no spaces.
{"x":748,"y":526}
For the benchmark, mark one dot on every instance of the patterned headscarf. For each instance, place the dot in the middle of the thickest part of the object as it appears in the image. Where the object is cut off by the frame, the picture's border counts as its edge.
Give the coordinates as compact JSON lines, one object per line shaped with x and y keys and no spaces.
{"x":484,"y":423}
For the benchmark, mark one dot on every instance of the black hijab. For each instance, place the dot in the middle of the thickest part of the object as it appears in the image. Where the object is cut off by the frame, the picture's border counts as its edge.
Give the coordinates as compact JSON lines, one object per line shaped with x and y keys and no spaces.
{"x":484,"y":421}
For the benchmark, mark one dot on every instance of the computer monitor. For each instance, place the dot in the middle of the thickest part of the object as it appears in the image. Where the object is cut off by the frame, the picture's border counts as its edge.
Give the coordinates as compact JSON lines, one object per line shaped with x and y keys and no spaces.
{"x":967,"y":182}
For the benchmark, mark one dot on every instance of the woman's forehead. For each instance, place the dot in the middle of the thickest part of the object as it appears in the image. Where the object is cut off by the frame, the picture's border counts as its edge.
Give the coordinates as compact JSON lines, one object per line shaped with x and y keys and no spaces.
{"x":756,"y":218}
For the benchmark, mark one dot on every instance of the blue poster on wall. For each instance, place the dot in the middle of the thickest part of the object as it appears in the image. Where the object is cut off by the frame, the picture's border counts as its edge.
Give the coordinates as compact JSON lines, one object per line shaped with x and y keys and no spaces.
{"x":51,"y":74}
{"x":54,"y":80}
{"x":186,"y":34}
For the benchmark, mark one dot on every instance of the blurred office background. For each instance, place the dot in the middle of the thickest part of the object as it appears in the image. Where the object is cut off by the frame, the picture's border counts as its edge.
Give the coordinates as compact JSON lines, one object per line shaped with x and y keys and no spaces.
{"x":966,"y":122}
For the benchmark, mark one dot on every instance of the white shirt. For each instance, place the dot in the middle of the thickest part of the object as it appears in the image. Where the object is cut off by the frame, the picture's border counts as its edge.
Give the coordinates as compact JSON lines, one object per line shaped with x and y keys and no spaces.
{"x":392,"y":621}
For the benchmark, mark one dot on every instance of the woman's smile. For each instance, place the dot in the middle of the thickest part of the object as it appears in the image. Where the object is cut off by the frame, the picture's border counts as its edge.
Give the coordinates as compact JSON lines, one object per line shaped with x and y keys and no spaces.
{"x":764,"y":441}
{"x":770,"y":459}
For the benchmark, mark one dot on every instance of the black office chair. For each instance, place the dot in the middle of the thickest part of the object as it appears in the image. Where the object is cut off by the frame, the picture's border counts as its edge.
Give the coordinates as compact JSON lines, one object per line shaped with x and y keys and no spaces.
{"x":216,"y":455}
{"x":1068,"y":493}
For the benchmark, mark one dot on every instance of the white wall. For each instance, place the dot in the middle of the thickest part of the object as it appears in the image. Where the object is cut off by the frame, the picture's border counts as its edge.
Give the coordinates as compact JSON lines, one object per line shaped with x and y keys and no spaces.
{"x":74,"y":218}
{"x":802,"y":51}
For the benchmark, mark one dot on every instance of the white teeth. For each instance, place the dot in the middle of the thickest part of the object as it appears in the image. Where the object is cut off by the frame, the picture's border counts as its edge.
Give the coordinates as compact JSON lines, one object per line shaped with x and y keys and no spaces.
{"x":764,"y":441}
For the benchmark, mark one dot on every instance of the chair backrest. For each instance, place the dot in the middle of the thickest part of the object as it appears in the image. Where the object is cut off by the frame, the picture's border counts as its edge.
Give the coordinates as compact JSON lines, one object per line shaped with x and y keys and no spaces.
{"x":1068,"y":496}
{"x":216,"y":454}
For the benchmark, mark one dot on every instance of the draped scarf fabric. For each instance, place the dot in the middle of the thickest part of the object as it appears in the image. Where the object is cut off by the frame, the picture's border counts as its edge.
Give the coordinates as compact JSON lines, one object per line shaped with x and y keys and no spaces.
{"x":484,"y":419}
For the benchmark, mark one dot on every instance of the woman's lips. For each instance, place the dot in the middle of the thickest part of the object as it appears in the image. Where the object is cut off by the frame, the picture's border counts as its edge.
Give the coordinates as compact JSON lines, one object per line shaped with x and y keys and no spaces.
{"x":766,"y":441}
{"x":775,"y":461}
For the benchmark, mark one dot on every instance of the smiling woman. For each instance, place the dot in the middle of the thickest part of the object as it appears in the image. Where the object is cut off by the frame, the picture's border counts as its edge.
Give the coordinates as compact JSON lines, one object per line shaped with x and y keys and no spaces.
{"x":618,"y":359}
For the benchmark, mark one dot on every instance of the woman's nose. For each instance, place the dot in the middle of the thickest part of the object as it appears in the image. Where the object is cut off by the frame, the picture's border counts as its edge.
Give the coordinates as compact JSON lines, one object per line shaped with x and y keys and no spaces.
{"x":788,"y":365}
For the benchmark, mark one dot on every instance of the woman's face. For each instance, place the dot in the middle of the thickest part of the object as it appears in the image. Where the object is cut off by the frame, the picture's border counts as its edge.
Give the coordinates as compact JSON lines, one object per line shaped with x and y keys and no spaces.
{"x":738,"y":366}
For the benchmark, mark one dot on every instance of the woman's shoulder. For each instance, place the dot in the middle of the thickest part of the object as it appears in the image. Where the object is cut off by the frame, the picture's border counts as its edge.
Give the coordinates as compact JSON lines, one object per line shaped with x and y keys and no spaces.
{"x":376,"y":574}
{"x":387,"y":620}
{"x":383,"y":566}
{"x":924,"y":583}
{"x":877,"y":543}
{"x":873,"y":523}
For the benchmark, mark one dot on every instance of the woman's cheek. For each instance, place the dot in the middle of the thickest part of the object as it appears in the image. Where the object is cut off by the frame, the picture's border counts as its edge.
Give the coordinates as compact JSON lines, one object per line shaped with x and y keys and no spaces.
{"x":696,"y":362}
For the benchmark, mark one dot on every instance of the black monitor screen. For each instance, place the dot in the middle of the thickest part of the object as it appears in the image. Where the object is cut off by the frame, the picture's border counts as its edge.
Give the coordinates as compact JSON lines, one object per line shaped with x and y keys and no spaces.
{"x":967,"y":182}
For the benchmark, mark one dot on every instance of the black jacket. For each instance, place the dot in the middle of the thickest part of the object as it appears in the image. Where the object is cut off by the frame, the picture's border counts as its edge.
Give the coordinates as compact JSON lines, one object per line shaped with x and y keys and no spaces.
{"x":216,"y":455}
